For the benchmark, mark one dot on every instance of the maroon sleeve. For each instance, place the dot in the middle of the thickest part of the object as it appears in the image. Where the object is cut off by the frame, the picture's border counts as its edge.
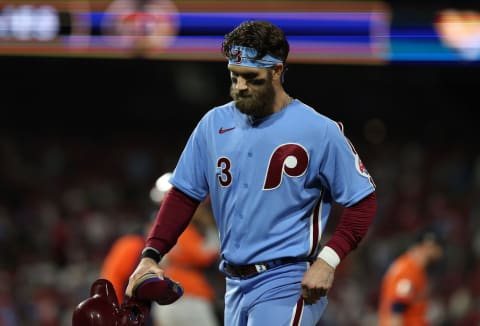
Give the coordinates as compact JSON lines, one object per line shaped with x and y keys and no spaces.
{"x":353,"y":226}
{"x":172,"y":219}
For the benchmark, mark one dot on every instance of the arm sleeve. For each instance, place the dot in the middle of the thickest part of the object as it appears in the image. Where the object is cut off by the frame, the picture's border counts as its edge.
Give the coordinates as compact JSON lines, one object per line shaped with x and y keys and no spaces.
{"x":341,"y":170}
{"x":189,"y":176}
{"x":353,"y":226}
{"x":172,"y":219}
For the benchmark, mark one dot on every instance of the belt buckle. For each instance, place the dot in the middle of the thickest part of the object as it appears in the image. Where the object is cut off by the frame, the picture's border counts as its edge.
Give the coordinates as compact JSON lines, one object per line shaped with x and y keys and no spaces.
{"x":260,"y":268}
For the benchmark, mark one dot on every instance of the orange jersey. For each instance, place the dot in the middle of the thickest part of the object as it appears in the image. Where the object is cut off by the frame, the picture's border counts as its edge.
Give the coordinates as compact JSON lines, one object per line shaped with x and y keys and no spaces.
{"x":120,"y":262}
{"x":405,"y":282}
{"x":186,"y":262}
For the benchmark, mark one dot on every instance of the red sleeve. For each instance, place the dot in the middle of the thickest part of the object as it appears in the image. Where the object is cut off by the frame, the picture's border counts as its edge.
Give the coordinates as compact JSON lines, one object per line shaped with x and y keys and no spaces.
{"x":173,"y":217}
{"x":353,"y":226}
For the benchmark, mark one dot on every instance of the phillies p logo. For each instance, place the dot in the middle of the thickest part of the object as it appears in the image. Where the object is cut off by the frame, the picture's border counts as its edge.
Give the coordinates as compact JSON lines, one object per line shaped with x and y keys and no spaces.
{"x":287,"y":159}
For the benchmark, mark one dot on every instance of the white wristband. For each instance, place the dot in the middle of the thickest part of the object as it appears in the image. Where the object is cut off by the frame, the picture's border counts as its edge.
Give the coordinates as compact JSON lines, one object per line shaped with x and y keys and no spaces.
{"x":329,"y":256}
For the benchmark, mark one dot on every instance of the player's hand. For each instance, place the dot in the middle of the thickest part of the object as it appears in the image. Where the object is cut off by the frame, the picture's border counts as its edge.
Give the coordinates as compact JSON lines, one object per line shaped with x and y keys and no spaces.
{"x":145,"y":265}
{"x":317,"y":281}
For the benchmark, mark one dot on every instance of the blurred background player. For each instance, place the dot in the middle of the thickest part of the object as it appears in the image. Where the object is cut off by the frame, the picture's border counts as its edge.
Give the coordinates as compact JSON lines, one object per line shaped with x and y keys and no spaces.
{"x":123,"y":255}
{"x":197,"y":250}
{"x":405,"y":292}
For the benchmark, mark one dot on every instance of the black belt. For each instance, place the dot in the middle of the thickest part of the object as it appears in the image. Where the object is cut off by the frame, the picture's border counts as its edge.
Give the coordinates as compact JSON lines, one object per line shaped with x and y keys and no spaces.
{"x":246,"y":271}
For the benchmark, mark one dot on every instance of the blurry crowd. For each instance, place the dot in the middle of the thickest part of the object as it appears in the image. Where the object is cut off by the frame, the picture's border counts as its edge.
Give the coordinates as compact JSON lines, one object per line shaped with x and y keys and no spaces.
{"x":63,"y":202}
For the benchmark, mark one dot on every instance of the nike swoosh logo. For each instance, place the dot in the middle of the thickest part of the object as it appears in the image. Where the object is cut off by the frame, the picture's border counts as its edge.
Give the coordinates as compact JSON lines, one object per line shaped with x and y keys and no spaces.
{"x":222,"y":131}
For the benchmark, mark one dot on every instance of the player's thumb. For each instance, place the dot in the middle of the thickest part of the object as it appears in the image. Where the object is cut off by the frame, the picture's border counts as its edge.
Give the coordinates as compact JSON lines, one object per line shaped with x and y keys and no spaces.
{"x":146,"y":265}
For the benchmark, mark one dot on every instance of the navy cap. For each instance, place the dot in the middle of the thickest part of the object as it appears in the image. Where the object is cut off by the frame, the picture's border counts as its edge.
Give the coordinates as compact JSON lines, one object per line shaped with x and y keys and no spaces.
{"x":430,"y":234}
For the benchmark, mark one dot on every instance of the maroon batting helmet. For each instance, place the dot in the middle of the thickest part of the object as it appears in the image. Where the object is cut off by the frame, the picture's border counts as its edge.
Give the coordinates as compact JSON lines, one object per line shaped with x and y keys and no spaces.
{"x":103,"y":309}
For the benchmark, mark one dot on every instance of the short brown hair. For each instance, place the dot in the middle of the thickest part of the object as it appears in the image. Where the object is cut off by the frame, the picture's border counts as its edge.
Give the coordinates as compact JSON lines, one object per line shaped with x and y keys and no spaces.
{"x":261,"y":35}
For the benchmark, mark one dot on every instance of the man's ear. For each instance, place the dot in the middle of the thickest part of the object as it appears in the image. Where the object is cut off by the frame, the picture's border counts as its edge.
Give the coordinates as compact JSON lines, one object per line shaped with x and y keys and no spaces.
{"x":278,"y":71}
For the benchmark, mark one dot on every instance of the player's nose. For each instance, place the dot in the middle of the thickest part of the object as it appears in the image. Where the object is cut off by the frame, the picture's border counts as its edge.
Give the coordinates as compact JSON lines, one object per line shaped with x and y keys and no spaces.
{"x":241,"y":84}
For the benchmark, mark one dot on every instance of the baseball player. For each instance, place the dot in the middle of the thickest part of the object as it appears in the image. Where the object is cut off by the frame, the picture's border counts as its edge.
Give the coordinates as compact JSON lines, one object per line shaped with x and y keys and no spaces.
{"x":404,"y":296}
{"x":272,"y":166}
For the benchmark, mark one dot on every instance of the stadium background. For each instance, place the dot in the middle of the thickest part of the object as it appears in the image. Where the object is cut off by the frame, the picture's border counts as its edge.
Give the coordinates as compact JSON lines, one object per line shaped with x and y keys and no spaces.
{"x":82,"y":141}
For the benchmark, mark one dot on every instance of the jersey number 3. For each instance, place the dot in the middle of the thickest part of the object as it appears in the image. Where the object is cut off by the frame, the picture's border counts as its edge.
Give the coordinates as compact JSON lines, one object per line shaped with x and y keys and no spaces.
{"x":287,"y":159}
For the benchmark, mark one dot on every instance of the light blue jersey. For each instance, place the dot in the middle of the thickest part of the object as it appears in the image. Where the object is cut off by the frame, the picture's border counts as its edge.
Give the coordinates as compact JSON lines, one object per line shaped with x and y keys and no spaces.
{"x":271,"y":182}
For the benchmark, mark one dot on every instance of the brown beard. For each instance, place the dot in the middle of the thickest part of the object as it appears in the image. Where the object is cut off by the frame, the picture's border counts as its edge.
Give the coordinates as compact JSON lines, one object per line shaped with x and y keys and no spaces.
{"x":258,"y":103}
